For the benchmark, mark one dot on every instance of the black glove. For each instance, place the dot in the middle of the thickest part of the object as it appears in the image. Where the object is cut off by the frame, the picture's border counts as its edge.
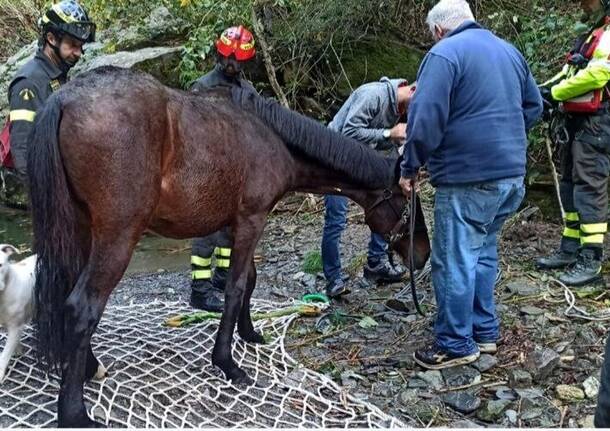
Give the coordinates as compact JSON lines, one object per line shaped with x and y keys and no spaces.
{"x":549,"y":104}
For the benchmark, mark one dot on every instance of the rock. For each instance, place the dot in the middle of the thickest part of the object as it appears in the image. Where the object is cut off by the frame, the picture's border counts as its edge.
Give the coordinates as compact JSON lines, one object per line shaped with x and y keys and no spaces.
{"x":492,"y":410}
{"x":529,"y":414}
{"x":382,"y":389}
{"x":541,"y":363}
{"x":408,"y":397}
{"x":461,"y":376}
{"x":530,"y":393}
{"x":506,"y":393}
{"x":462,"y":402}
{"x":586,"y":335}
{"x":519,"y":378}
{"x":485,"y":362}
{"x":523,"y":287}
{"x":298,"y":276}
{"x":309,"y":280}
{"x":417,"y":383}
{"x":159,"y":27}
{"x":511,"y":415}
{"x":569,"y":393}
{"x":8,"y":70}
{"x":157,"y":61}
{"x":530,"y":310}
{"x":591,"y":386}
{"x":465,"y":423}
{"x":433,"y":378}
{"x":587,"y":422}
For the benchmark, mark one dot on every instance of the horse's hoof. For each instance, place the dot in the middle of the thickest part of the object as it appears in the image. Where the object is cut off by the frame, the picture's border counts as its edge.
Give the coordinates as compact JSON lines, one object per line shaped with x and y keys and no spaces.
{"x":240,"y":378}
{"x":101,"y":372}
{"x":253,"y":337}
{"x":82,"y":423}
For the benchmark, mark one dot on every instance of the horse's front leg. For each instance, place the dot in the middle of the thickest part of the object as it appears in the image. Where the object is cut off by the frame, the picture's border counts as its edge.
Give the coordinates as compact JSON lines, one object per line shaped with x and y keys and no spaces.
{"x":246,"y":233}
{"x":245,"y":328}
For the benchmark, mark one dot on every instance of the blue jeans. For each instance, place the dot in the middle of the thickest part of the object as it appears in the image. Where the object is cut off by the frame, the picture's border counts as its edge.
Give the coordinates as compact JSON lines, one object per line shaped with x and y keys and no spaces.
{"x":467,"y":219}
{"x":335,"y":220}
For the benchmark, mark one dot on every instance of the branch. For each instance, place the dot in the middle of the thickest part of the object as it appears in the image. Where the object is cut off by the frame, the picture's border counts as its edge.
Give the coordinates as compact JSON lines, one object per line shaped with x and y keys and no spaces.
{"x":260,"y":32}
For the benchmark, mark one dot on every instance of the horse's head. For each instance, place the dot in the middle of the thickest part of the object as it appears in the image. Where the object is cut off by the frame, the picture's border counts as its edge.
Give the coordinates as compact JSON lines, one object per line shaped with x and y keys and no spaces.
{"x":391,"y":215}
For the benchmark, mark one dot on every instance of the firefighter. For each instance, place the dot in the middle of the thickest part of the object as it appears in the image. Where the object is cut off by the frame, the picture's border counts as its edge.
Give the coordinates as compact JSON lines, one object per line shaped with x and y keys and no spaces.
{"x":581,"y":88}
{"x":234,"y":49}
{"x":65,"y":28}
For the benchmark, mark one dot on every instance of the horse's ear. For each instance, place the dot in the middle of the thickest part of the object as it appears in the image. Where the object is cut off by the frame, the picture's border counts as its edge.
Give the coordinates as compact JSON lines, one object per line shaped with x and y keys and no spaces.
{"x":8,"y":249}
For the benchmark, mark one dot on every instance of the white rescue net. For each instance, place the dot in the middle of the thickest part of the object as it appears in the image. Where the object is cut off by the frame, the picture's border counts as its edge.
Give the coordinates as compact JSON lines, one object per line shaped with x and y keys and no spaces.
{"x":162,"y":377}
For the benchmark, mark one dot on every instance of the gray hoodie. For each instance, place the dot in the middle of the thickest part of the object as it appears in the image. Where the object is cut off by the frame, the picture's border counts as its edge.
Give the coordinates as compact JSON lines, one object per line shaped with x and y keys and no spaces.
{"x":369,"y":110}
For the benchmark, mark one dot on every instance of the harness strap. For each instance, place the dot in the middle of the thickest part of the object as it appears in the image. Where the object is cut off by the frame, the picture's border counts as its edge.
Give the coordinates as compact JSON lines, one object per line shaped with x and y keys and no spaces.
{"x":413,"y":212}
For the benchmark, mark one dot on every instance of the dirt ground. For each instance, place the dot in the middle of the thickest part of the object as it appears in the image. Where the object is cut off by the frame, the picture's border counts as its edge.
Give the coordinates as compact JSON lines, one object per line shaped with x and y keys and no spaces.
{"x":545,"y":373}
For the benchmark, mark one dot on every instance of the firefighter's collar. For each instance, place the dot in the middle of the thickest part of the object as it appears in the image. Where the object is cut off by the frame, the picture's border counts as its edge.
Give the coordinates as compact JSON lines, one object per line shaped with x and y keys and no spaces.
{"x":49,"y":67}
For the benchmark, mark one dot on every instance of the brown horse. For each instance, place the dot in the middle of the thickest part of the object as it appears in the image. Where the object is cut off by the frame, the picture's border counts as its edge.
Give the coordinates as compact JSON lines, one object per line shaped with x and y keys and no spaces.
{"x":115,"y":152}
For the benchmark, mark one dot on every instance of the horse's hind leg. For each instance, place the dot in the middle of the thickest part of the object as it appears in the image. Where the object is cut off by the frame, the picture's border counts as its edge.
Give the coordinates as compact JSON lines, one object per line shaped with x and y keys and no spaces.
{"x":246,"y":233}
{"x":109,"y":257}
{"x":94,"y":368}
{"x":245,"y":328}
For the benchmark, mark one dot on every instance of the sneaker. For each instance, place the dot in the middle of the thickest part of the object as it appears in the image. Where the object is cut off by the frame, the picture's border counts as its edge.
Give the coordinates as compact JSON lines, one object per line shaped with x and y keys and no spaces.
{"x":383,"y":272}
{"x":587,"y":269}
{"x":559,"y":259}
{"x":435,"y":358}
{"x":490,"y":348}
{"x":336,"y":288}
{"x":208,"y":300}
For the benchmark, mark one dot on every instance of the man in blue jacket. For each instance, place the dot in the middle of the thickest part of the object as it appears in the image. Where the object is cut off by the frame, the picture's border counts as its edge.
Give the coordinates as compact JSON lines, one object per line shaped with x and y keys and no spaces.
{"x":475,"y":100}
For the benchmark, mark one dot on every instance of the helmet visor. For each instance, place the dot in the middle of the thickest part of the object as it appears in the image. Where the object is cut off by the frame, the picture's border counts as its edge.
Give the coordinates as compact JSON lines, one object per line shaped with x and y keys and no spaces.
{"x":83,"y":31}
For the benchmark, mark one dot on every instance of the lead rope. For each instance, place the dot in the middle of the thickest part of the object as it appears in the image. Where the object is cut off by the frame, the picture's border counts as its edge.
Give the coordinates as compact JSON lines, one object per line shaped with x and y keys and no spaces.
{"x":413,"y":212}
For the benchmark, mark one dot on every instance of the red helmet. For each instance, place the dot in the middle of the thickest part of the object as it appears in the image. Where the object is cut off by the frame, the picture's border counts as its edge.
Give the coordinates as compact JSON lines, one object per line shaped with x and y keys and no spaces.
{"x":237,"y":41}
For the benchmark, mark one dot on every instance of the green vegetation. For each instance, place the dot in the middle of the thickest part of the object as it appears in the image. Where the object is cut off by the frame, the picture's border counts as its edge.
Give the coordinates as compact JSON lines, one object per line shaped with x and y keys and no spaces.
{"x":320,"y":49}
{"x":312,"y":262}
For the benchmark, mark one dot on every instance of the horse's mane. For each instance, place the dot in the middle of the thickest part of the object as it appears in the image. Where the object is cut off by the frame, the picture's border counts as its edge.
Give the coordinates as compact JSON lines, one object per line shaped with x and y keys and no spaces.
{"x":302,"y":135}
{"x":312,"y":140}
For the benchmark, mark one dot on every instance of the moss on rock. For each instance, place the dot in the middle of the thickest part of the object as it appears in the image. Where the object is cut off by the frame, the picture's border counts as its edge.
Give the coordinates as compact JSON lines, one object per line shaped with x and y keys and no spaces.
{"x":372,"y":59}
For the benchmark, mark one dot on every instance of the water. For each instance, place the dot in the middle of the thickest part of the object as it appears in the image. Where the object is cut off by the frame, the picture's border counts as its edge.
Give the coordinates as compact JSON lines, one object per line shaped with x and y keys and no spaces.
{"x":153,"y":253}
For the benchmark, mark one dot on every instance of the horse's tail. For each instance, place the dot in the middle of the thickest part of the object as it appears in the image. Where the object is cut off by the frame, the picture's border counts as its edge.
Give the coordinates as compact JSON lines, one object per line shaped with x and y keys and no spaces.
{"x":55,"y":227}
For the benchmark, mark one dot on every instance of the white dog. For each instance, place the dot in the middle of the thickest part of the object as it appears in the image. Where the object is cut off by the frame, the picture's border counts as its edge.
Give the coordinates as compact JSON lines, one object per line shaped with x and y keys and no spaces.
{"x":16,"y":298}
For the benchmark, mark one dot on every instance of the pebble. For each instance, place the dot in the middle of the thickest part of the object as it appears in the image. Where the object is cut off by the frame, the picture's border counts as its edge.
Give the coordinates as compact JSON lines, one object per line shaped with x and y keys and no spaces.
{"x":485,"y":362}
{"x":591,"y":386}
{"x":462,"y":402}
{"x":569,"y":393}
{"x":530,"y":393}
{"x":512,"y":416}
{"x":506,"y":393}
{"x":461,"y":376}
{"x":433,"y":378}
{"x":492,"y":410}
{"x":541,"y":363}
{"x":465,"y":423}
{"x":518,"y":378}
{"x":530,"y":310}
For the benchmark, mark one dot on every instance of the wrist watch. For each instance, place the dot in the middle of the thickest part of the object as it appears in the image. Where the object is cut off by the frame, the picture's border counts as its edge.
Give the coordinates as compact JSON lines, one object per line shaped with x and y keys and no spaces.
{"x":387,"y":133}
